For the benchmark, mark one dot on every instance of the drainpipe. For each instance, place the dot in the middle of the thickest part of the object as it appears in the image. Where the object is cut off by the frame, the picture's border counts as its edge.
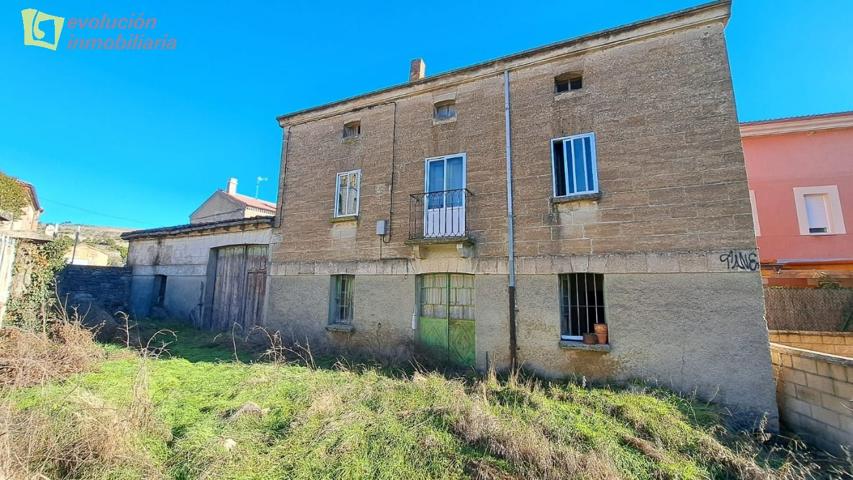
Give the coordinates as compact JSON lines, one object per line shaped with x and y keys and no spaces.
{"x":281,"y":175}
{"x":513,"y":342}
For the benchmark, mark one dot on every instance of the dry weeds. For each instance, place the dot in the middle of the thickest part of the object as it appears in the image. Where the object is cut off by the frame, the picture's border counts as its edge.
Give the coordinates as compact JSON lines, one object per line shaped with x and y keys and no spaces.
{"x":35,"y":358}
{"x":84,"y":437}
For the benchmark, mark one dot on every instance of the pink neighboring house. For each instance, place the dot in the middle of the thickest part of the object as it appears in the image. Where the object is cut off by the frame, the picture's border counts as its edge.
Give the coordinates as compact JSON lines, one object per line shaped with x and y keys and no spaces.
{"x":800,"y":173}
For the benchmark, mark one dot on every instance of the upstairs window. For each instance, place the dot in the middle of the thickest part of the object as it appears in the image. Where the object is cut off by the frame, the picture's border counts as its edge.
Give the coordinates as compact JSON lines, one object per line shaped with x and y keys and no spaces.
{"x":347,"y":188}
{"x":568,"y":82}
{"x":352,"y":129}
{"x":574,"y":165}
{"x":816,"y":213}
{"x":340,"y":312}
{"x":581,"y":304}
{"x":819,"y":210}
{"x":445,"y":110}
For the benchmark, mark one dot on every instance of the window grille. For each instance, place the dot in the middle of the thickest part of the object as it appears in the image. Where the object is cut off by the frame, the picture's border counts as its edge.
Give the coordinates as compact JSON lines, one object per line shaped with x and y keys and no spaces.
{"x":581,"y":304}
{"x":341,"y":311}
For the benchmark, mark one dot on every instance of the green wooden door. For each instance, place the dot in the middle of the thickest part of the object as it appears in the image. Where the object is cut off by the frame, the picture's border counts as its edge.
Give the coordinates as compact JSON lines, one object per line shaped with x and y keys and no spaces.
{"x":446,"y":323}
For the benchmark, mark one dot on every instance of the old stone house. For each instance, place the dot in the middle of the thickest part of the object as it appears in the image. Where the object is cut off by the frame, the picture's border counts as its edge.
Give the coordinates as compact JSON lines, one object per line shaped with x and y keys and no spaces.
{"x":496,"y":213}
{"x":211,"y":271}
{"x":16,"y":230}
{"x":27,"y":220}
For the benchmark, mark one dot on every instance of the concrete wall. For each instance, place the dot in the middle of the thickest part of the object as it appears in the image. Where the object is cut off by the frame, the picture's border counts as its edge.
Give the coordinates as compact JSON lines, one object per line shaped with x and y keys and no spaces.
{"x":834,"y":343}
{"x":183,"y":260}
{"x":383,"y":307}
{"x":815,"y":393}
{"x":654,"y":320}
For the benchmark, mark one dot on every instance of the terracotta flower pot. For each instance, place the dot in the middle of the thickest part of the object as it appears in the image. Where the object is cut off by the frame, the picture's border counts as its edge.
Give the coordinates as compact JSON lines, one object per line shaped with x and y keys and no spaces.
{"x":589,"y":339}
{"x":601,"y":332}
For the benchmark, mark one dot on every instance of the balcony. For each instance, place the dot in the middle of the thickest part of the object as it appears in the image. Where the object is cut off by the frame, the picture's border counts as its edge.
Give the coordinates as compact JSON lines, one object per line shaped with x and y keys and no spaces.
{"x":439,"y":218}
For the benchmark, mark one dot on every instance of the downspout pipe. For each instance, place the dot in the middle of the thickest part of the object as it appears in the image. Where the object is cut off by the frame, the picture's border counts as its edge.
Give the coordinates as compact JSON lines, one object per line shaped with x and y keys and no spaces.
{"x":510,"y":227}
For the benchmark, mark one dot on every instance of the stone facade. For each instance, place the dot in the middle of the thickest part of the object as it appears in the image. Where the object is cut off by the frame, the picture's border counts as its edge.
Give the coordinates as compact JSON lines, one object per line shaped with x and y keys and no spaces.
{"x":108,"y":287}
{"x":673,"y":205}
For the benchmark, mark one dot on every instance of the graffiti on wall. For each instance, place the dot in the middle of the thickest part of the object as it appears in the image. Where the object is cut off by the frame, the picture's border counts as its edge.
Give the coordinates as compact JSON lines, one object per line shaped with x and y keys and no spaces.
{"x":736,"y":260}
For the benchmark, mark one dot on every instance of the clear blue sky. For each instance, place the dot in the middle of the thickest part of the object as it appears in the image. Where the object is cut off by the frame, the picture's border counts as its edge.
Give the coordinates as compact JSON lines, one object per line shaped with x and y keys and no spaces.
{"x":141,"y":138}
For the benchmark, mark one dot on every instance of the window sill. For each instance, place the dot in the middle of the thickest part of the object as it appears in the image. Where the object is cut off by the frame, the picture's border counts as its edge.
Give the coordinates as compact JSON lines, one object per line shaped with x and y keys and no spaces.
{"x":445,"y":121}
{"x":576,"y":345}
{"x":352,"y":139}
{"x":569,"y":94}
{"x":347,"y":218}
{"x":464,"y":239}
{"x":575,"y":198}
{"x":820,"y":234}
{"x":339,"y":327}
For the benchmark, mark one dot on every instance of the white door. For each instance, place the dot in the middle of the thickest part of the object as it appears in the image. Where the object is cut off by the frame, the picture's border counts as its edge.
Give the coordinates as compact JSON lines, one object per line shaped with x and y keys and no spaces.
{"x":444,"y":212}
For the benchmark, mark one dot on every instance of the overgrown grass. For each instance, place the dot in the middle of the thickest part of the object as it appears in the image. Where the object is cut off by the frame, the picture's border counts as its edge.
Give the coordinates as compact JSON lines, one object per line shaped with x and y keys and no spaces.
{"x":208,"y":416}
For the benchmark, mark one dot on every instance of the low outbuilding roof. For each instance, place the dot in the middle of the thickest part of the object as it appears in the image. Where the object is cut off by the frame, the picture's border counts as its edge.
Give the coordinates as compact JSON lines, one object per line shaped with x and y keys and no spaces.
{"x":199,"y":228}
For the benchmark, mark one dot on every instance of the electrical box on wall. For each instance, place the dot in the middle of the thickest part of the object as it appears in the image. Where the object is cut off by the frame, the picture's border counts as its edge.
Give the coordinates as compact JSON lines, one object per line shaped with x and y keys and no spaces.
{"x":382,"y":227}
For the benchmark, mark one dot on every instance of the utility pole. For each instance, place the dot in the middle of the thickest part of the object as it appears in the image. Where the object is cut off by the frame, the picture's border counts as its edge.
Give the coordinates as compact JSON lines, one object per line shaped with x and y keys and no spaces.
{"x":76,"y":241}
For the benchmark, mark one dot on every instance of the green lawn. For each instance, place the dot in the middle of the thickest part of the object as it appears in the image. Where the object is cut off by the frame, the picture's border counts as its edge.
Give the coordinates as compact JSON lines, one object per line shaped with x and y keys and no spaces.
{"x":174,"y":418}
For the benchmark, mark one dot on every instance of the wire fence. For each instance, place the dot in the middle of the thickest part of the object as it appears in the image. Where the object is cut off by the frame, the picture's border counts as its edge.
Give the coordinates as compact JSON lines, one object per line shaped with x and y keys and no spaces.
{"x":810,"y":309}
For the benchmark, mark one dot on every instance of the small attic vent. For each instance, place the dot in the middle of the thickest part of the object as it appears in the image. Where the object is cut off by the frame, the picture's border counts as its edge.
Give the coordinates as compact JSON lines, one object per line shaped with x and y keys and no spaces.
{"x":568,"y":82}
{"x":352,"y":129}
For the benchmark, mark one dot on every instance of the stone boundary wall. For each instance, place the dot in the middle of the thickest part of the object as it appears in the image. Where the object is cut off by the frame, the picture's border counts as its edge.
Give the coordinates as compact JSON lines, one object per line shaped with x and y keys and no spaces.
{"x":833,"y":343}
{"x":108,"y":287}
{"x":815,"y":395}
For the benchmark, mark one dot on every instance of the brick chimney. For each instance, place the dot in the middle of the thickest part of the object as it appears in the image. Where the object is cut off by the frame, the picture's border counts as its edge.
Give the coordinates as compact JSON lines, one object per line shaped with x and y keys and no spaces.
{"x":232,"y":185}
{"x":417,"y":70}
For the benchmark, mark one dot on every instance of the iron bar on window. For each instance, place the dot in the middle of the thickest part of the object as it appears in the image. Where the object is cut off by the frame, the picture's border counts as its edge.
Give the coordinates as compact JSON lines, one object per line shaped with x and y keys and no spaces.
{"x":581,"y":303}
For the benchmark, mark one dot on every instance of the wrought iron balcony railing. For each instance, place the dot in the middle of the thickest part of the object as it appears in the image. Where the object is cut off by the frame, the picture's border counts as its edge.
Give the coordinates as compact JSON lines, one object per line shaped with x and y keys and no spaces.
{"x":439,"y":215}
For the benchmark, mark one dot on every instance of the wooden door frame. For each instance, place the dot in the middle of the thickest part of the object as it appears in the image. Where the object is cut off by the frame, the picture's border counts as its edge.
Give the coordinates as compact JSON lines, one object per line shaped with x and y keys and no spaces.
{"x":210,"y":283}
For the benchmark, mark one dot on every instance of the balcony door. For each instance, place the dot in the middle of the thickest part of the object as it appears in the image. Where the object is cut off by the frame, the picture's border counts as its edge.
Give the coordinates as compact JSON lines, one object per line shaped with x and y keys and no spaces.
{"x":444,"y":215}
